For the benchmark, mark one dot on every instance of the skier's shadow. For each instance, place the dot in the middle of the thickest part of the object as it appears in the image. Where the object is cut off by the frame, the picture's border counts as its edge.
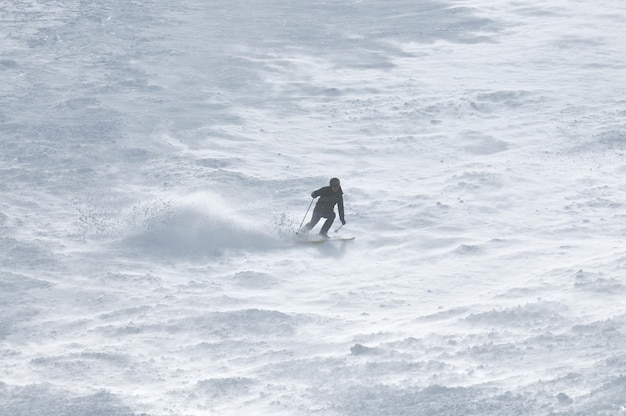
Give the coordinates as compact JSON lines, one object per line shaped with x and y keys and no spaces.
{"x":336,"y":249}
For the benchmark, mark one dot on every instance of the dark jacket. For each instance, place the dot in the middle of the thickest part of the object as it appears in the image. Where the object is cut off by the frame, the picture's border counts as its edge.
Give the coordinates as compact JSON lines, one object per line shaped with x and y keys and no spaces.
{"x":328,"y":200}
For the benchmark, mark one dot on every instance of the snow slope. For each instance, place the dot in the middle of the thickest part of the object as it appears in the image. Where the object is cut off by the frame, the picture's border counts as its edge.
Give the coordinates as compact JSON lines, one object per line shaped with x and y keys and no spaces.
{"x":157,"y":157}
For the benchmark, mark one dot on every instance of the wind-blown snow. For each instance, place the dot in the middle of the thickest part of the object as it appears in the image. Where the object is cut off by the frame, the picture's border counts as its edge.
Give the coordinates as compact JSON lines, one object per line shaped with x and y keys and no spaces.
{"x":156,"y":159}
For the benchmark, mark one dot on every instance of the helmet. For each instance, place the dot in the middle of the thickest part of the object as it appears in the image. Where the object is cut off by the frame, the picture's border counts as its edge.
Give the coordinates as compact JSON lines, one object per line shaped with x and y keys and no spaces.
{"x":334,"y":182}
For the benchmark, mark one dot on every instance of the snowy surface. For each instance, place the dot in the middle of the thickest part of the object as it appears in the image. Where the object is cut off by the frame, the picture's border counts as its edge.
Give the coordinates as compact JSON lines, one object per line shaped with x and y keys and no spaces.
{"x":156,"y":158}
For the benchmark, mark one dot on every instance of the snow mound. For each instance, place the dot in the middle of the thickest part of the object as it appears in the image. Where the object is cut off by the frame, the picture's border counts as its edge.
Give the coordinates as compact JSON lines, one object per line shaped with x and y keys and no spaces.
{"x":44,"y":399}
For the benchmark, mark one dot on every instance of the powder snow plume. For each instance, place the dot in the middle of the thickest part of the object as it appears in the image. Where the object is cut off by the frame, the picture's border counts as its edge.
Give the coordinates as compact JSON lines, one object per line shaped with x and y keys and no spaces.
{"x":197,"y":224}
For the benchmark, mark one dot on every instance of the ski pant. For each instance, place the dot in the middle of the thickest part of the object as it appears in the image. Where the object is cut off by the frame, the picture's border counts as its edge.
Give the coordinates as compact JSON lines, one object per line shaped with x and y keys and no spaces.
{"x":317,"y":215}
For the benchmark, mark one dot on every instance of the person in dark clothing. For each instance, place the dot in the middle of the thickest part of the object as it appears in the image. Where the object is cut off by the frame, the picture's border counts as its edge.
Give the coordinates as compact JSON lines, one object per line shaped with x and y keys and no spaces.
{"x":325,"y":207}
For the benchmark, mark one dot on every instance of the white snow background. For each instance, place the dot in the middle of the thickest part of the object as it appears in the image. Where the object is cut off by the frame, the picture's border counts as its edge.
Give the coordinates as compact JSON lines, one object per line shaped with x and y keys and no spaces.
{"x":156,"y":158}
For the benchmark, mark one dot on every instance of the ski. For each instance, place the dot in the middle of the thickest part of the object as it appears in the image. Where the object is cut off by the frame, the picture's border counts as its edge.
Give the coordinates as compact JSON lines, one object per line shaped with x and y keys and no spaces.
{"x":324,"y":240}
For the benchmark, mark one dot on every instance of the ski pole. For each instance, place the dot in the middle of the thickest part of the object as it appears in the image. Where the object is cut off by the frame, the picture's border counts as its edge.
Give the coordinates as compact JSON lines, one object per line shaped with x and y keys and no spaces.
{"x":307,"y":213}
{"x":339,"y":228}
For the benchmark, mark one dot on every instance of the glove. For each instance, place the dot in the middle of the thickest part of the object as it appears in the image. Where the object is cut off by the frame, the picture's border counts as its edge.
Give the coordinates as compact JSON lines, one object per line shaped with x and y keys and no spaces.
{"x":343,"y":222}
{"x":312,"y":194}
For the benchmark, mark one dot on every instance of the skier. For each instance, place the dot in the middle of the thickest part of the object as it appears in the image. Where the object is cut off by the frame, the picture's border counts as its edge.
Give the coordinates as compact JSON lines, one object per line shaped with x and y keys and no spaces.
{"x":325,"y":207}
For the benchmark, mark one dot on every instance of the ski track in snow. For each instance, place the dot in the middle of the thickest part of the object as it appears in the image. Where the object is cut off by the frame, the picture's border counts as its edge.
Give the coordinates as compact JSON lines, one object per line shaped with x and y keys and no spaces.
{"x":156,"y":159}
